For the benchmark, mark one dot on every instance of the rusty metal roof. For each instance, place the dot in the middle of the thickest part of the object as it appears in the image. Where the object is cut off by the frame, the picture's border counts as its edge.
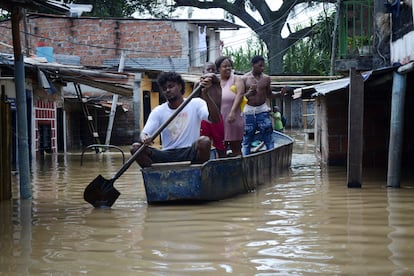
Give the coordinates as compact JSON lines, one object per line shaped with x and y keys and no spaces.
{"x":219,"y":24}
{"x":34,"y":5}
{"x":114,"y":82}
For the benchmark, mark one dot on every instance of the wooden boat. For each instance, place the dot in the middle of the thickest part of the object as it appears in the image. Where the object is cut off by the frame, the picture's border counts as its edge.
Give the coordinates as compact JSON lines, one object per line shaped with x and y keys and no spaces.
{"x":217,"y":179}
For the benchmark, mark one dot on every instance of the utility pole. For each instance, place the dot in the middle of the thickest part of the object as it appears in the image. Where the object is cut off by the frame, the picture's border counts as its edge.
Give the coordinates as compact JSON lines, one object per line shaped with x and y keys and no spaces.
{"x":21,"y":106}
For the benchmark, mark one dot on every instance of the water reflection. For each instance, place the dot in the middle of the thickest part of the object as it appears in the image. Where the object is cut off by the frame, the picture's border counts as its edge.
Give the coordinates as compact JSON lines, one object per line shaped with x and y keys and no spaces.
{"x":307,"y":222}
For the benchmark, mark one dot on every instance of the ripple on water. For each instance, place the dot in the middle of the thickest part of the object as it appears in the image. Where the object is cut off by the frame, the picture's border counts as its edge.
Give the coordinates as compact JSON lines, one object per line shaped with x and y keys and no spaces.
{"x":306,"y":222}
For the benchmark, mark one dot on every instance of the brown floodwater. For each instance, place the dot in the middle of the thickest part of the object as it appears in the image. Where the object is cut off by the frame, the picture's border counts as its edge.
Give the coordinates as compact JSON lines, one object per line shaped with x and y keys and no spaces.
{"x":305,"y":223}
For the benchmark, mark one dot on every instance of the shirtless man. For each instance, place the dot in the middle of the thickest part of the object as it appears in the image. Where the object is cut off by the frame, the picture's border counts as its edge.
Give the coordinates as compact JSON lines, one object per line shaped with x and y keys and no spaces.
{"x":256,"y":111}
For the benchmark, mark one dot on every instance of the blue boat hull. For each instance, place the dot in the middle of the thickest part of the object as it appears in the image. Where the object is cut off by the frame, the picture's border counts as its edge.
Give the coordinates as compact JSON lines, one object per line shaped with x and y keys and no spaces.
{"x":218,"y":178}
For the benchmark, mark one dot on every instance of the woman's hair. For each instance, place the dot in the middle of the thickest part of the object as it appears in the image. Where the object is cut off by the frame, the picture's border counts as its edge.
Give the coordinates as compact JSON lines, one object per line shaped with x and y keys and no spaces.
{"x":220,"y":60}
{"x":172,"y":77}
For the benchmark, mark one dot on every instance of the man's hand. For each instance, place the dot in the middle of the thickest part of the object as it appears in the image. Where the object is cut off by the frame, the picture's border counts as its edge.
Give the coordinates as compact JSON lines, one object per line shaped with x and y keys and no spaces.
{"x":146,"y":139}
{"x":283,"y":91}
{"x":252,"y":90}
{"x":206,"y":80}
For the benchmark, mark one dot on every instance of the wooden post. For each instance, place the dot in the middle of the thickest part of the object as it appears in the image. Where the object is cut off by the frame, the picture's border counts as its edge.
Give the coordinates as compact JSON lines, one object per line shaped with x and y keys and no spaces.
{"x":136,"y":103}
{"x":355,"y":129}
{"x":304,"y":113}
{"x":396,"y":130}
{"x":114,"y":103}
{"x":5,"y":147}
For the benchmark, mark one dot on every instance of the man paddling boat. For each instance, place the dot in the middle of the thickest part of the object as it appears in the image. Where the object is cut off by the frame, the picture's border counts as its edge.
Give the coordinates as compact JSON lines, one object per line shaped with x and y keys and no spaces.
{"x":181,"y":140}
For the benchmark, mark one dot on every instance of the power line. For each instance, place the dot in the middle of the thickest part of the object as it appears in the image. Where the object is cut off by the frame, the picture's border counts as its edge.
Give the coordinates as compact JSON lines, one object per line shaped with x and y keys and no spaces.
{"x":192,"y":60}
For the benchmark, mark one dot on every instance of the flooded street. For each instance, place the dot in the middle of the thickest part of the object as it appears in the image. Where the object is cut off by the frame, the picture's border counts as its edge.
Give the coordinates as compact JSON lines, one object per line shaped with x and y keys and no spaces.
{"x":306,"y":223}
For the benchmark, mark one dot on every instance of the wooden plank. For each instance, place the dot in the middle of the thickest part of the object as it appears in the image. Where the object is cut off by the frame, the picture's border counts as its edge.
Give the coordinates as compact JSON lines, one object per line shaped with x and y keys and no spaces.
{"x":276,"y":78}
{"x":169,"y":164}
{"x":355,"y":129}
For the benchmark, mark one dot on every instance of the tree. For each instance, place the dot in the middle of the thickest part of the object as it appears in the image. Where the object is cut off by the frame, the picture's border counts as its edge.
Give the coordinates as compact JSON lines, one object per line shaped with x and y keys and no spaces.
{"x":268,"y":27}
{"x":4,"y":14}
{"x":125,"y":8}
{"x":311,"y":56}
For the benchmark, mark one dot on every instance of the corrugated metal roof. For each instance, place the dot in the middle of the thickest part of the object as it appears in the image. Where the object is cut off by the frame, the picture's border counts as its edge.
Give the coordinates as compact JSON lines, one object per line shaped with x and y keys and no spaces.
{"x":219,"y":24}
{"x":152,"y":64}
{"x":332,"y":86}
{"x":67,"y":59}
{"x":114,"y":82}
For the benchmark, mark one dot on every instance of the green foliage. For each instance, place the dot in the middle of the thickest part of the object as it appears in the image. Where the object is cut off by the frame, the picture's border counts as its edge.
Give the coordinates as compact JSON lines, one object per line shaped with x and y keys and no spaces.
{"x":107,"y":8}
{"x":304,"y":58}
{"x":124,"y":8}
{"x":309,"y":56}
{"x":4,"y":14}
{"x":242,"y":56}
{"x":312,"y":55}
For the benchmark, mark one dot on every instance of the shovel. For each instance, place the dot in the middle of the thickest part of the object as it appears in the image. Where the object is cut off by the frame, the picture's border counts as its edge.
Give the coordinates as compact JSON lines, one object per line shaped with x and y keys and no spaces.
{"x":101,"y":192}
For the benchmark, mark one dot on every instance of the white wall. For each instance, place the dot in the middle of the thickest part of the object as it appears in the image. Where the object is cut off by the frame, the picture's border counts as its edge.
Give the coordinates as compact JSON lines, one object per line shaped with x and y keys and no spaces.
{"x":402,"y":50}
{"x":8,"y":83}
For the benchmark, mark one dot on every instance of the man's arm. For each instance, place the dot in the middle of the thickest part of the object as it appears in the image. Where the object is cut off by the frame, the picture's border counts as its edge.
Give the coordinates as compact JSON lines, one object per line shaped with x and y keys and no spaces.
{"x":280,"y":93}
{"x":240,"y":89}
{"x":268,"y":89}
{"x":249,"y":90}
{"x":153,"y":122}
{"x":213,"y":112}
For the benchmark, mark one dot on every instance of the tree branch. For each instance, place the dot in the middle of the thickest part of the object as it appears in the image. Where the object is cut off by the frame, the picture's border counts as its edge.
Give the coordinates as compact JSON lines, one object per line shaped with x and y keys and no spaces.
{"x":236,"y":10}
{"x":263,"y":8}
{"x":300,"y":34}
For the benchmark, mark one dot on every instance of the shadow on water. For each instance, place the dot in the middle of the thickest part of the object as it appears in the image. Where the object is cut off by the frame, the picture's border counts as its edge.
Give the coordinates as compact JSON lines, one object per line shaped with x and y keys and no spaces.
{"x":307,"y":222}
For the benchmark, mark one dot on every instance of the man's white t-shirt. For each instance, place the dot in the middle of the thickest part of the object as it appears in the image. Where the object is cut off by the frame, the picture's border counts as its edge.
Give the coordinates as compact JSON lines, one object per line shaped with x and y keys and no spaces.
{"x":184,"y":130}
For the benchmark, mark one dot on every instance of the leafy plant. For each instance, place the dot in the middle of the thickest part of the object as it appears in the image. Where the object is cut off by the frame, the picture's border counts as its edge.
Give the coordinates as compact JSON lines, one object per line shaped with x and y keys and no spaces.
{"x":4,"y":14}
{"x":242,"y":56}
{"x":311,"y":56}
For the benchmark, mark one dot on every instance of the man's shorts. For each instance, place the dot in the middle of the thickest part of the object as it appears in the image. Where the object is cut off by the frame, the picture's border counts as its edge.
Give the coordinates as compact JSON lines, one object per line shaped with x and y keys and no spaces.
{"x":174,"y":155}
{"x":215,"y":132}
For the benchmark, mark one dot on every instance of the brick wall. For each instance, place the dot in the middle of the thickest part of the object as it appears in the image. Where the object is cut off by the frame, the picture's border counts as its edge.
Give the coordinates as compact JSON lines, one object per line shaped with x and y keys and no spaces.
{"x":95,"y":40}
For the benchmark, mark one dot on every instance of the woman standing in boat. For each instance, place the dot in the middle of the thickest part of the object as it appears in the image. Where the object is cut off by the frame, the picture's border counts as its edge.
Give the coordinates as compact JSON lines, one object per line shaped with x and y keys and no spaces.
{"x":232,"y":88}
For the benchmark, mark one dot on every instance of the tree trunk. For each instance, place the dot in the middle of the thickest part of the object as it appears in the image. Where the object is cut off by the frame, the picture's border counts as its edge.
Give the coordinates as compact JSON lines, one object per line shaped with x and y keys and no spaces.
{"x":275,"y":58}
{"x":269,"y":29}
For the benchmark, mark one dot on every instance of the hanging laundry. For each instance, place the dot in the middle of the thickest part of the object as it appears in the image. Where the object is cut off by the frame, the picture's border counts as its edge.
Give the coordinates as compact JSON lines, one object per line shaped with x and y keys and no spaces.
{"x":202,"y":42}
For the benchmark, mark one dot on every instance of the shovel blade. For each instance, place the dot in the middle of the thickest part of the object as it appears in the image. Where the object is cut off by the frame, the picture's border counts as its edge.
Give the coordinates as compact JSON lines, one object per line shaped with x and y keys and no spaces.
{"x":101,"y":192}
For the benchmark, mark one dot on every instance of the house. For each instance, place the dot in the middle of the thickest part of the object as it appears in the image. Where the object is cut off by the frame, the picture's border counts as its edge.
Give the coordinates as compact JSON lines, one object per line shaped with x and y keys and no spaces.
{"x":83,"y":55}
{"x":386,"y":106}
{"x":47,"y":121}
{"x":150,"y":44}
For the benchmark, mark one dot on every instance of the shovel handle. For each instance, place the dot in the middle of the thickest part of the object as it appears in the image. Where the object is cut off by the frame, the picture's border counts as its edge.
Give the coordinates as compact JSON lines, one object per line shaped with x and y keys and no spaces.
{"x":156,"y":133}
